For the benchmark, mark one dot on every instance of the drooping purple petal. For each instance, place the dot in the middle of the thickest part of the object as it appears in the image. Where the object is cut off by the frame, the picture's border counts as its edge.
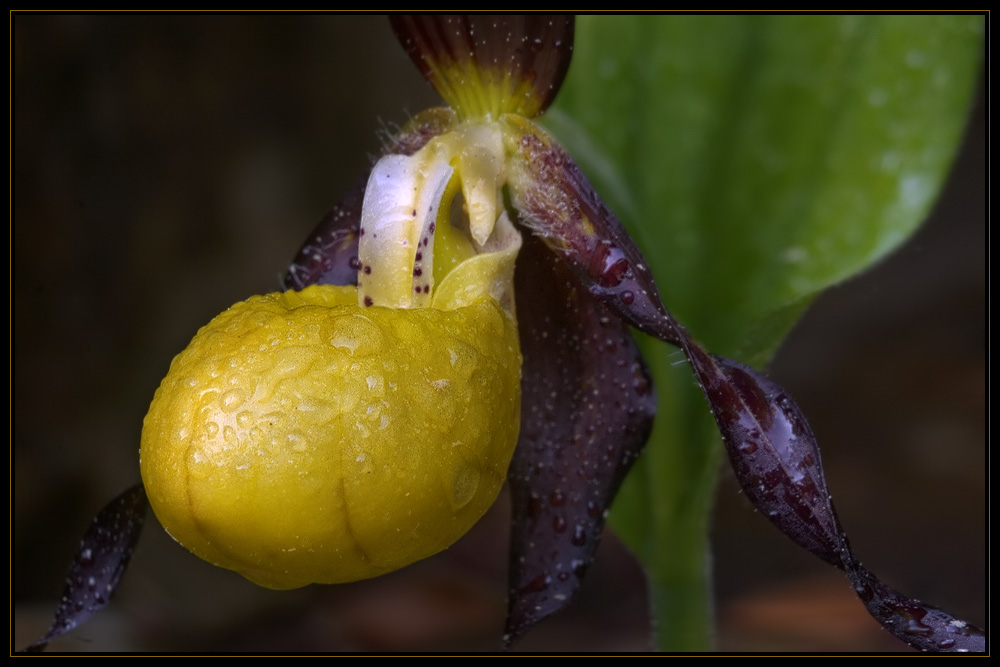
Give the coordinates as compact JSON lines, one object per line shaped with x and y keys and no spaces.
{"x":99,"y":564}
{"x":554,"y":199}
{"x":773,"y":451}
{"x":770,"y":444}
{"x":922,"y":626}
{"x":588,"y":407}
{"x":485,"y":64}
{"x":776,"y":460}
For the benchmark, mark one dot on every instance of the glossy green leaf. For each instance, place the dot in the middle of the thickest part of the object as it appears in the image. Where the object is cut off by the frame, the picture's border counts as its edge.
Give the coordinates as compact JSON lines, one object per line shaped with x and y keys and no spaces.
{"x":757,"y":160}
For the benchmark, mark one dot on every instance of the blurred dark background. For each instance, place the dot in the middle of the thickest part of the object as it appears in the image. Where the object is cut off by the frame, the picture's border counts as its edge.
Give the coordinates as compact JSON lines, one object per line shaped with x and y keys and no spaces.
{"x":166,"y":167}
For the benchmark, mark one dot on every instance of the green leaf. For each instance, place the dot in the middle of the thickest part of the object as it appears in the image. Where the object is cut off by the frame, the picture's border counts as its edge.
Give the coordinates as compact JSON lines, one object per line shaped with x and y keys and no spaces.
{"x":757,"y":160}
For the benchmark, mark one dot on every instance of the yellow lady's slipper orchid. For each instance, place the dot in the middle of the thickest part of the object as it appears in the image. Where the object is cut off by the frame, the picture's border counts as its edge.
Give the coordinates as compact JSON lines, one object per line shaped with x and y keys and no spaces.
{"x":367,"y":417}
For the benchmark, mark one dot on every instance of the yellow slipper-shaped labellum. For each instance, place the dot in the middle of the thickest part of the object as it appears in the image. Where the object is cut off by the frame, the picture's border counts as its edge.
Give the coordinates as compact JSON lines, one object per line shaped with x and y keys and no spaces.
{"x":300,"y":438}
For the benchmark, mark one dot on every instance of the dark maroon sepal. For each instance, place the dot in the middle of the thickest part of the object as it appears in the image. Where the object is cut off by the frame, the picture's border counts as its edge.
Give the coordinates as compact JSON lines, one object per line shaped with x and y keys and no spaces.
{"x":490,"y":63}
{"x":97,"y":569}
{"x":587,"y":410}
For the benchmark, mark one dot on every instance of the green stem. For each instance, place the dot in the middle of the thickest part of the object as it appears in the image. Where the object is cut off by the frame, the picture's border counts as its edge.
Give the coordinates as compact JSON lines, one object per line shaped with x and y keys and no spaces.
{"x":664,"y":509}
{"x":681,"y":598}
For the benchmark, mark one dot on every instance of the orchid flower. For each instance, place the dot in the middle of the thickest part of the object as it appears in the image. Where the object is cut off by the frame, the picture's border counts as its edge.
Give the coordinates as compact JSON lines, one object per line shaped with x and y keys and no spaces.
{"x":476,"y":212}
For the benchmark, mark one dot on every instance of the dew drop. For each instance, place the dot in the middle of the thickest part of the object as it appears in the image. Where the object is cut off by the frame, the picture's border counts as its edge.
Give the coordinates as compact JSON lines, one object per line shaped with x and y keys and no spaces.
{"x":464,"y":485}
{"x":345,"y":342}
{"x":356,"y":335}
{"x":232,"y":400}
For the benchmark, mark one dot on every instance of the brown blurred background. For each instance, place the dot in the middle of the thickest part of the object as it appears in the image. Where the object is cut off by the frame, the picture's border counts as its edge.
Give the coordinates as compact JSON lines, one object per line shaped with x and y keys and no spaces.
{"x":166,"y":167}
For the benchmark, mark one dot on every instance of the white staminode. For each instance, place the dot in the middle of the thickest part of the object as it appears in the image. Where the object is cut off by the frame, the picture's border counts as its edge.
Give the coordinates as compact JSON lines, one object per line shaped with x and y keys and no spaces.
{"x":401,"y":210}
{"x":400,"y":207}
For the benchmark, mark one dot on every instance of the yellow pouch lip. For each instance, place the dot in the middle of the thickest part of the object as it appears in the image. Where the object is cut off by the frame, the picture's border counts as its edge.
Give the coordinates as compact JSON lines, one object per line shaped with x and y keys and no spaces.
{"x":251,"y":525}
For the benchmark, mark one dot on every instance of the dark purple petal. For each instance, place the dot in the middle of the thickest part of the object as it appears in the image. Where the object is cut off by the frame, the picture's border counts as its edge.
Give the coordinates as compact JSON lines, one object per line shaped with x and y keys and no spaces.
{"x":920,"y":625}
{"x":99,"y":564}
{"x":490,"y":64}
{"x":776,"y":460}
{"x":773,"y":451}
{"x":554,"y":199}
{"x":588,"y":407}
{"x":769,"y":442}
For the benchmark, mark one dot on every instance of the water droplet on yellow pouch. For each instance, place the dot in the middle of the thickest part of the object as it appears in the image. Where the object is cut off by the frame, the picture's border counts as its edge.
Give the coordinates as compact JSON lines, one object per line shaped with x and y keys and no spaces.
{"x":232,"y":400}
{"x":464,"y":485}
{"x":356,"y":335}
